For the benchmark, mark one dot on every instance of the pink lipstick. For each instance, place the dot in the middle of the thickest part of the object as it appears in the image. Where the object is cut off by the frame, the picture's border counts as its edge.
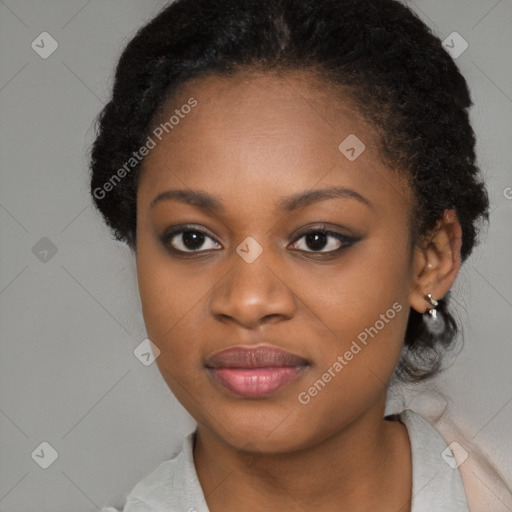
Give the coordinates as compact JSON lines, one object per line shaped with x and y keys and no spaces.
{"x":256,"y":371}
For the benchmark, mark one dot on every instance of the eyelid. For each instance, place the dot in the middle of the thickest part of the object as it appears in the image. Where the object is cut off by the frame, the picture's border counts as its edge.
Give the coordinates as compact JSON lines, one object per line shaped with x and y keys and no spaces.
{"x":325,"y":228}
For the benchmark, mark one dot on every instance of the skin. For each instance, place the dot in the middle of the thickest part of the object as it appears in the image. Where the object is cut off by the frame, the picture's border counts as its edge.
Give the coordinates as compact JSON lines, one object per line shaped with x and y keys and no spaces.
{"x":252,"y":140}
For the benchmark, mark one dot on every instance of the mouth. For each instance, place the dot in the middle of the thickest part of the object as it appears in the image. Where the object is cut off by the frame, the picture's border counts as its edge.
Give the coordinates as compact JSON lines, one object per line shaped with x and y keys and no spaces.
{"x":256,"y":371}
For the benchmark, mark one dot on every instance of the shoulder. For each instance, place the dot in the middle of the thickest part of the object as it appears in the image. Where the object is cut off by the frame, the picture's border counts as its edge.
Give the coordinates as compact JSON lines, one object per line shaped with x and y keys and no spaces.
{"x":485,"y":488}
{"x":172,"y":486}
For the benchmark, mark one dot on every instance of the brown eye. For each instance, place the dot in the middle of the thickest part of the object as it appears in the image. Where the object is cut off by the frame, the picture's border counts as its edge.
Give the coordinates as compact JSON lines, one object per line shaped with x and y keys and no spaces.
{"x":322,"y":241}
{"x":190,"y":240}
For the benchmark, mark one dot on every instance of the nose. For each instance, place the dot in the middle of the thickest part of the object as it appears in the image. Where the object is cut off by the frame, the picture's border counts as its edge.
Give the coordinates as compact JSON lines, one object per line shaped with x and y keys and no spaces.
{"x":252,"y":294}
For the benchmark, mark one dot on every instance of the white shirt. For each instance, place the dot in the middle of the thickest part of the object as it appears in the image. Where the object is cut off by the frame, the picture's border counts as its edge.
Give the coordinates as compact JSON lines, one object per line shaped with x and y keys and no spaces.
{"x":436,"y":482}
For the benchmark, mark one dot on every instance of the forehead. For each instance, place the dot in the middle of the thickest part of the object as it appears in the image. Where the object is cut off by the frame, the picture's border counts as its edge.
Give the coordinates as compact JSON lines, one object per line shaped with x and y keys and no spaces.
{"x":261,"y":132}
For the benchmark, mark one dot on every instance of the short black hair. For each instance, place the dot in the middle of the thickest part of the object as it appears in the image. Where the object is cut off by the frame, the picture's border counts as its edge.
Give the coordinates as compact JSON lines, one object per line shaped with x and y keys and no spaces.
{"x":394,"y":68}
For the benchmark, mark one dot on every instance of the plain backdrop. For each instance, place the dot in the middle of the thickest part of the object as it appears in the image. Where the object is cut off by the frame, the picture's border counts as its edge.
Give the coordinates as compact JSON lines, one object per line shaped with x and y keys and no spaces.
{"x":70,"y":313}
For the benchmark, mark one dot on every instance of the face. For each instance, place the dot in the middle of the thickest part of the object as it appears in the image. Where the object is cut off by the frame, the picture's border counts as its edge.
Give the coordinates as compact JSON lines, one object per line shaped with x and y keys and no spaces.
{"x":256,"y":230}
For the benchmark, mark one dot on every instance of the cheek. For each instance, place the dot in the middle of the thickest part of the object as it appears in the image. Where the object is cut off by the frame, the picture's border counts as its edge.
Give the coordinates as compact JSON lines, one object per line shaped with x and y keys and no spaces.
{"x":351,"y":295}
{"x":174,"y":299}
{"x":170,"y":300}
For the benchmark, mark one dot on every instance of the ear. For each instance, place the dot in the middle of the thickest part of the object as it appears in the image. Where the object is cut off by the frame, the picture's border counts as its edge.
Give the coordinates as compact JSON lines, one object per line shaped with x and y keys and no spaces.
{"x":436,"y":262}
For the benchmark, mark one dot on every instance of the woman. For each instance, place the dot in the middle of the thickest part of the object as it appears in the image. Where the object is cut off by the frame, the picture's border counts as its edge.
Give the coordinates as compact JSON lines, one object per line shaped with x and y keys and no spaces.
{"x":297,"y":180}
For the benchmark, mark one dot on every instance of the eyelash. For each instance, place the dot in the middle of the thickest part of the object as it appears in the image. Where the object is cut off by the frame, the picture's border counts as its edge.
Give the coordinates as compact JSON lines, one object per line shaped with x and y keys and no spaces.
{"x":346,"y":241}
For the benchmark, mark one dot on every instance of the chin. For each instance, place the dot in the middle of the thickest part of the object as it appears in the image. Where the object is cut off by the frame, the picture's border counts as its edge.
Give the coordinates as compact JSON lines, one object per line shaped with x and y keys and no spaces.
{"x":255,"y":428}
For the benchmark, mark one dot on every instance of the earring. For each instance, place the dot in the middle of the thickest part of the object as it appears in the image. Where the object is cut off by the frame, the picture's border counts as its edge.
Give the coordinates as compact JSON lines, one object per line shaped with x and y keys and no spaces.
{"x":433,"y":321}
{"x":434,"y":303}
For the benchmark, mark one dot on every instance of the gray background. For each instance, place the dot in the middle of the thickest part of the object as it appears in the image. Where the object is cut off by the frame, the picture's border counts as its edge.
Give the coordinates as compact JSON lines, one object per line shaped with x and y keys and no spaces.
{"x":71,"y":320}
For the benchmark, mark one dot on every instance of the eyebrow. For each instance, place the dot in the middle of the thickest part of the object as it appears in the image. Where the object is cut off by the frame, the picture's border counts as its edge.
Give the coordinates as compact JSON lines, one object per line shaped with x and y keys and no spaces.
{"x":206,"y":201}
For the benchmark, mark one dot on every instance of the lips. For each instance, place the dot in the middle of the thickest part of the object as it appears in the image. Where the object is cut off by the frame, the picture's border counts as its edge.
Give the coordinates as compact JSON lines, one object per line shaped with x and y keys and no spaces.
{"x":254,"y":372}
{"x":254,"y":357}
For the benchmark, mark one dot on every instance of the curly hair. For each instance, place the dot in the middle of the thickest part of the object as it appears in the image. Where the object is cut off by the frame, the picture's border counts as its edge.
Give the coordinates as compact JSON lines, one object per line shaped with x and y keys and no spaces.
{"x":393,"y":67}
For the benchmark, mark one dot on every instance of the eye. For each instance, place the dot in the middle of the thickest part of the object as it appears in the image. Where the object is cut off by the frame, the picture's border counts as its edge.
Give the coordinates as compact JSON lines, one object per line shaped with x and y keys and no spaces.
{"x":189,"y":240}
{"x":194,"y":240}
{"x":322,"y":241}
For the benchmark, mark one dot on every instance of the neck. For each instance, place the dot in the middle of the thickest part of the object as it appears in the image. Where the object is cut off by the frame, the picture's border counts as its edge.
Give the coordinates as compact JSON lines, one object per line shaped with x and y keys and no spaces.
{"x":364,"y":466}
